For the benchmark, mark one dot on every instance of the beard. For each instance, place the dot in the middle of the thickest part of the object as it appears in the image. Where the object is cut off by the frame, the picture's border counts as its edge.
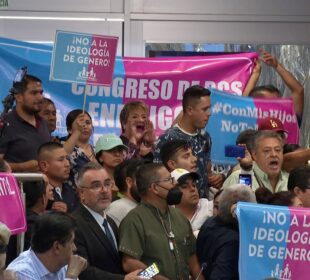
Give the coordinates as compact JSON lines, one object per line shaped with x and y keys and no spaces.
{"x":30,"y":110}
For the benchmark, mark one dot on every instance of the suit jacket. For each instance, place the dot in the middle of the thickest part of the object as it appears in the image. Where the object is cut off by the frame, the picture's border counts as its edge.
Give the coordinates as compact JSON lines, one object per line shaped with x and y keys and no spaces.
{"x":91,"y":242}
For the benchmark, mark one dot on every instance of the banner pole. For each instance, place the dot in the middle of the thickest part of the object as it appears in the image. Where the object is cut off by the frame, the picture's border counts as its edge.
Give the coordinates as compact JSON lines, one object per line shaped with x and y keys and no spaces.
{"x":84,"y":102}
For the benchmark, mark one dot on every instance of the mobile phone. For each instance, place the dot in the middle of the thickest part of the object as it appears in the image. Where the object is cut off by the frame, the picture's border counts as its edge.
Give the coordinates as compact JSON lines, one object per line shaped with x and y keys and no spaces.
{"x":235,"y":151}
{"x":245,"y":179}
{"x":149,"y":272}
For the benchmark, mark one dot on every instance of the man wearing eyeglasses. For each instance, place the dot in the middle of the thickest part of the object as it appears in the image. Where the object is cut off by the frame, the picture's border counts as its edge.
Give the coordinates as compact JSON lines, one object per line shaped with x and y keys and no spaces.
{"x":96,"y":236}
{"x":154,"y":232}
{"x":23,"y":130}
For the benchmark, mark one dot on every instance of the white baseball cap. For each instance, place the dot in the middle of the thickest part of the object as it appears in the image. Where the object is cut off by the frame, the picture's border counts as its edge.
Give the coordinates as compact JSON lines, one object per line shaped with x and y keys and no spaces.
{"x":180,"y":175}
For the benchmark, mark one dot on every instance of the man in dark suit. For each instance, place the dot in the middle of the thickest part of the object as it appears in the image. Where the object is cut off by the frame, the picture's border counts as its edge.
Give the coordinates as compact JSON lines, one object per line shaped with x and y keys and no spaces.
{"x":97,"y":234}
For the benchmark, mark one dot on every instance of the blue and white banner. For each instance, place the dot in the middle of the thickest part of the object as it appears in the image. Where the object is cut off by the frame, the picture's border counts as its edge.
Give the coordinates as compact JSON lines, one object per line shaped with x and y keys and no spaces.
{"x":231,"y":114}
{"x":274,"y":242}
{"x":160,"y":83}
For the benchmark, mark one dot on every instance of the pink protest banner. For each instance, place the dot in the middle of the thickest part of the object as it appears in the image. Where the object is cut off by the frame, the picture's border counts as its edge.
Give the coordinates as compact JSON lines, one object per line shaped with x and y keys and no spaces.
{"x":282,"y":109}
{"x":11,"y":205}
{"x":161,"y":82}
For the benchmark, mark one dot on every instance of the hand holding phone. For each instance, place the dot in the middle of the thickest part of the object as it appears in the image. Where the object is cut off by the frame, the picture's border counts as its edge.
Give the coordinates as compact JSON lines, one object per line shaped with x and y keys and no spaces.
{"x":149,"y":272}
{"x":245,"y":179}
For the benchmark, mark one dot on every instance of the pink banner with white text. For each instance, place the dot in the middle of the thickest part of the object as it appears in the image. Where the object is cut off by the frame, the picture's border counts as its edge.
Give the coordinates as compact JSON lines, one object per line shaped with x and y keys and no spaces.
{"x":11,"y":205}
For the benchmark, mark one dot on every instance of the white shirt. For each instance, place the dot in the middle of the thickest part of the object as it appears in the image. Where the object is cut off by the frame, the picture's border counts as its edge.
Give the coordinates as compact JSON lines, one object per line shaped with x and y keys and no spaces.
{"x":203,"y":212}
{"x":99,"y":219}
{"x":119,"y":209}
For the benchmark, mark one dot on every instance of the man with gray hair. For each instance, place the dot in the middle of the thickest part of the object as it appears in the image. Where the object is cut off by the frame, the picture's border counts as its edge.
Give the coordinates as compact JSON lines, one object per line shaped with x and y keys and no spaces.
{"x":218,"y":239}
{"x":266,"y":170}
{"x":97,"y":234}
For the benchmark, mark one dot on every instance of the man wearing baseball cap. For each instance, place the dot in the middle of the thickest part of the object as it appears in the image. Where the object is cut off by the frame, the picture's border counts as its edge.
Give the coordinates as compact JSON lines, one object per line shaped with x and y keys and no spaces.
{"x":293,"y":159}
{"x":195,"y":210}
{"x":275,"y":125}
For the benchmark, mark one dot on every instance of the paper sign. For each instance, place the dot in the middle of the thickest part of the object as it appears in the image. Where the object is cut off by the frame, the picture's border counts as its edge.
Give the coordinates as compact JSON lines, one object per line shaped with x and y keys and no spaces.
{"x":83,"y":58}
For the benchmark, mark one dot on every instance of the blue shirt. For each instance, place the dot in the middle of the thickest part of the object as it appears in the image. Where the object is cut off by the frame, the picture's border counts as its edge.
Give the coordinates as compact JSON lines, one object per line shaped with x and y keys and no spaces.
{"x":28,"y":267}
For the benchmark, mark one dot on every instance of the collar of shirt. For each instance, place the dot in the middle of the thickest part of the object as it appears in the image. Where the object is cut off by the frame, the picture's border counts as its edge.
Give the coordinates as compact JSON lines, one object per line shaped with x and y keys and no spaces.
{"x":38,"y":118}
{"x":196,"y":212}
{"x":262,"y":174}
{"x":99,"y":218}
{"x":281,"y":184}
{"x":185,"y":132}
{"x":58,"y":191}
{"x":40,"y":267}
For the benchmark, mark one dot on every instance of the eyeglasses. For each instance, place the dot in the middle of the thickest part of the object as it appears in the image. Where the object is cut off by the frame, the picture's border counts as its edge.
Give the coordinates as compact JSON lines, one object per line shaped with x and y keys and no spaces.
{"x":169,"y":179}
{"x":98,"y":186}
{"x":21,"y":73}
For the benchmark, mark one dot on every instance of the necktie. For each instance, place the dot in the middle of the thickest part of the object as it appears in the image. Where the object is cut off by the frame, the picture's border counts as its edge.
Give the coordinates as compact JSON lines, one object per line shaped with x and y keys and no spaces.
{"x":108,"y":233}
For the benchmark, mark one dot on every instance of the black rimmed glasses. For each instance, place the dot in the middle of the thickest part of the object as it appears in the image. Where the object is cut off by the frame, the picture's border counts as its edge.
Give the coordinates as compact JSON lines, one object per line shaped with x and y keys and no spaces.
{"x":98,"y":186}
{"x":169,"y":179}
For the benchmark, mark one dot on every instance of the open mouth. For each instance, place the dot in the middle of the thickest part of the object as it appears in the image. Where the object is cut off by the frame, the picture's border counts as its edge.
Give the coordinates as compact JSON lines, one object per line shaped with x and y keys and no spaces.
{"x":194,"y":168}
{"x":140,"y":128}
{"x":274,"y":164}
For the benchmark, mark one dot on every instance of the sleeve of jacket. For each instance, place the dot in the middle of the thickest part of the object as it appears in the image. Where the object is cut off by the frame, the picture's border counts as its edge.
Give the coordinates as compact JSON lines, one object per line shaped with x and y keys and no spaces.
{"x":225,"y":265}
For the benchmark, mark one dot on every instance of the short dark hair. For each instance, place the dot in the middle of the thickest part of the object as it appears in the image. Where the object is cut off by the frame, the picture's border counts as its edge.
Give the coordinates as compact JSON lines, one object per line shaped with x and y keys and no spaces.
{"x":86,"y":167}
{"x":246,"y":137}
{"x":169,"y":149}
{"x":289,"y":148}
{"x":120,"y":174}
{"x":299,"y":177}
{"x":21,"y":87}
{"x":192,"y":95}
{"x":125,"y":169}
{"x":34,"y":191}
{"x":48,"y":147}
{"x":265,"y":196}
{"x":257,"y":91}
{"x":48,"y":101}
{"x":130,"y":106}
{"x":146,"y":175}
{"x":72,"y":115}
{"x":51,"y":227}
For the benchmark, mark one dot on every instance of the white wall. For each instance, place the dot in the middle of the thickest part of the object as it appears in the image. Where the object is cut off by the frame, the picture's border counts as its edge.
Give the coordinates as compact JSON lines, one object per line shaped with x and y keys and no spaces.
{"x":196,"y":21}
{"x":221,"y":21}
